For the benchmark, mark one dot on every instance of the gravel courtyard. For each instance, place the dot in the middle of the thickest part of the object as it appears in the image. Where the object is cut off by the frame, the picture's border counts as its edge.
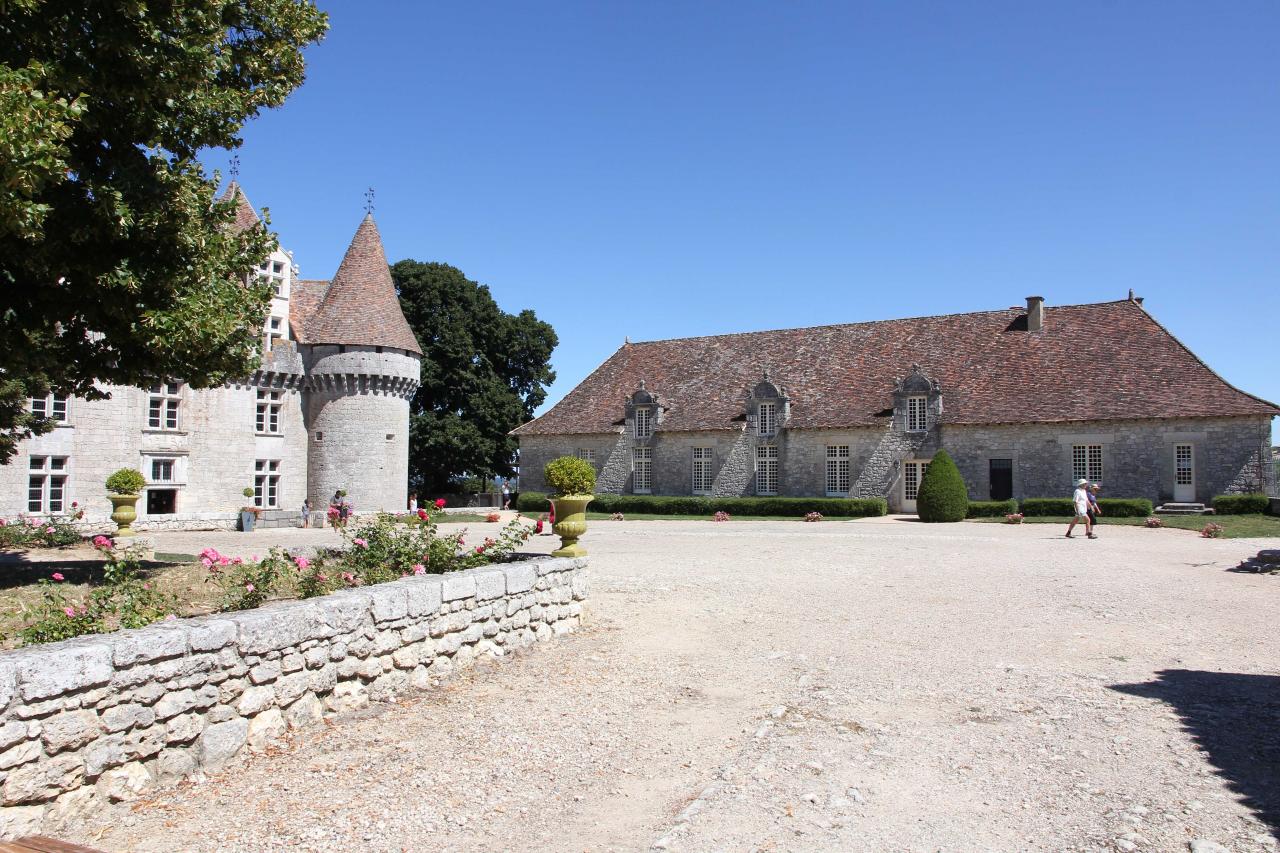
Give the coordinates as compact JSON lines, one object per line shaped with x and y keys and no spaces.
{"x":878,"y":685}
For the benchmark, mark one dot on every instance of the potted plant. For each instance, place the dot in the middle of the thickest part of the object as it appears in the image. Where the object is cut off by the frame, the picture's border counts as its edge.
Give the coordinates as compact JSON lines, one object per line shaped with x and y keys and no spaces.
{"x":124,"y":487}
{"x":248,"y":514}
{"x":572,"y":481}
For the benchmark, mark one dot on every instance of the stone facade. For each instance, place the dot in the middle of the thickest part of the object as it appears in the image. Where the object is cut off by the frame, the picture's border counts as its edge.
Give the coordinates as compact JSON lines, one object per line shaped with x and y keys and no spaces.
{"x":1137,"y":457}
{"x":104,"y":718}
{"x":314,"y":418}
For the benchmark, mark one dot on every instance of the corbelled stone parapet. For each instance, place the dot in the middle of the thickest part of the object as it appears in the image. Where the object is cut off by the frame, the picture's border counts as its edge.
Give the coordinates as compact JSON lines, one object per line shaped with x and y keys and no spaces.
{"x":103,"y":718}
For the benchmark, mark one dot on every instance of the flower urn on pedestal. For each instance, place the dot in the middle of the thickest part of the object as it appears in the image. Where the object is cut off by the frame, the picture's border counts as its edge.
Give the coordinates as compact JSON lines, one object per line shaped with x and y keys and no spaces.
{"x":124,"y":487}
{"x":572,"y":480}
{"x":248,"y":514}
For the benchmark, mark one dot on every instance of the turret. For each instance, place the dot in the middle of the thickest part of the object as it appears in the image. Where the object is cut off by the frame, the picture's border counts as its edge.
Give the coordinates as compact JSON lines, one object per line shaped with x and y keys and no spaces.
{"x":363,"y":367}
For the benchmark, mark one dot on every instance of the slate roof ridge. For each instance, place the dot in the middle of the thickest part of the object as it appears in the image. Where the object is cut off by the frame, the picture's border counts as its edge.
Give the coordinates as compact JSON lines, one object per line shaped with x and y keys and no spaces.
{"x":1019,"y":309}
{"x":1201,"y":361}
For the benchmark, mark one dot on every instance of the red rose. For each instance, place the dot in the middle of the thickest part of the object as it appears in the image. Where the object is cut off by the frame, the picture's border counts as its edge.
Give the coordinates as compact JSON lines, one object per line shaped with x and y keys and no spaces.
{"x":439,"y":503}
{"x":422,"y":513}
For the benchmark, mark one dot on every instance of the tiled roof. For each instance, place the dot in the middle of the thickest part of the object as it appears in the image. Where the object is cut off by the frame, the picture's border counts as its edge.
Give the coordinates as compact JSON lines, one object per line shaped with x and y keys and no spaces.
{"x":1104,"y":361}
{"x":246,"y":216}
{"x":305,"y":296}
{"x":360,"y":307}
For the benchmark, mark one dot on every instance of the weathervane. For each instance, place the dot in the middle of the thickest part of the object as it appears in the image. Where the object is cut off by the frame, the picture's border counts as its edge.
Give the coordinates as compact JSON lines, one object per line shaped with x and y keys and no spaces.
{"x":368,"y":201}
{"x":235,"y":167}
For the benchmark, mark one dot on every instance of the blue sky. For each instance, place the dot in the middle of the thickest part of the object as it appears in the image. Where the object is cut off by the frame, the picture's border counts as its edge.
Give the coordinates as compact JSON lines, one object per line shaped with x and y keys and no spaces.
{"x":660,"y":170}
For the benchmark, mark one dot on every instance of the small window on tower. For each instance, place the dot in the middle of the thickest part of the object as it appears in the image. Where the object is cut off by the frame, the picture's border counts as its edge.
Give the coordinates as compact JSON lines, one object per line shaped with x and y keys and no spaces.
{"x":391,"y":436}
{"x":319,"y":436}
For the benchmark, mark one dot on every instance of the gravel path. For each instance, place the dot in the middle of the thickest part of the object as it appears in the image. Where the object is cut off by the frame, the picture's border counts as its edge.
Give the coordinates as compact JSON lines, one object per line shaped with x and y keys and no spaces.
{"x":778,"y":686}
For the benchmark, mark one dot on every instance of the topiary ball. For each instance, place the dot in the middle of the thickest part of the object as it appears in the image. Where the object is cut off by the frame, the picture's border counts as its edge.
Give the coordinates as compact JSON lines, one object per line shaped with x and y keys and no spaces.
{"x":569,"y":475}
{"x":942,"y":496}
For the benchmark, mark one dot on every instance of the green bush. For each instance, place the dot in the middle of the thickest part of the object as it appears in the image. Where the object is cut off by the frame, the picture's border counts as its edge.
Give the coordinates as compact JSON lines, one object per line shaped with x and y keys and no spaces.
{"x":1241,"y":504}
{"x":1125,"y":507}
{"x":747,"y":506}
{"x":1047,"y":506}
{"x":570,"y":475}
{"x":991,"y":509}
{"x":1111,"y":507}
{"x":942,"y":496}
{"x":126,"y":481}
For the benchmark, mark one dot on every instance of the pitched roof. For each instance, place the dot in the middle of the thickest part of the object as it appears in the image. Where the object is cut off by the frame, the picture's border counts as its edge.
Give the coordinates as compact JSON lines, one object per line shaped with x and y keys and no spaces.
{"x":1104,"y":361}
{"x":360,"y":306}
{"x":246,"y":216}
{"x":305,"y":296}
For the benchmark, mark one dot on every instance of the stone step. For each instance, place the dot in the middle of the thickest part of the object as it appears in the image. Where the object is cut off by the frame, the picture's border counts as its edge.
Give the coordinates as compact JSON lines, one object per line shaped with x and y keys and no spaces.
{"x":1183,"y":509}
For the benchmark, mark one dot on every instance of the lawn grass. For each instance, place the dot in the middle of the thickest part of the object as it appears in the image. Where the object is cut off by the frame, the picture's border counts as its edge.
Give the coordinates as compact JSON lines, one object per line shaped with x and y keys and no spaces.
{"x":644,"y":516}
{"x":1234,"y":526}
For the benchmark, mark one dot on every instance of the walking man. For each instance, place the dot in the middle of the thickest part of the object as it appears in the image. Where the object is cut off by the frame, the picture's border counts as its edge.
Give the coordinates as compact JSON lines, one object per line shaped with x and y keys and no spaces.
{"x":1080,"y":500}
{"x":506,"y":494}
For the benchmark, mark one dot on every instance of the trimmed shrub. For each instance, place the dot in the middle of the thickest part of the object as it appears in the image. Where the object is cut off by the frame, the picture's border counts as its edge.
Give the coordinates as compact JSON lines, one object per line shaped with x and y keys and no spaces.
{"x":126,"y":481}
{"x":1111,"y":507}
{"x":1125,"y":507}
{"x":943,"y":496}
{"x":992,"y":509}
{"x":1241,"y":504}
{"x":534,"y":502}
{"x":570,"y":475}
{"x":1047,"y":506}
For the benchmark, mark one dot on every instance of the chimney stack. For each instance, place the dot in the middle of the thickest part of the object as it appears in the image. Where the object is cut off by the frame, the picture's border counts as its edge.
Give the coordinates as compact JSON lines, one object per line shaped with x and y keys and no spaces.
{"x":1035,"y":313}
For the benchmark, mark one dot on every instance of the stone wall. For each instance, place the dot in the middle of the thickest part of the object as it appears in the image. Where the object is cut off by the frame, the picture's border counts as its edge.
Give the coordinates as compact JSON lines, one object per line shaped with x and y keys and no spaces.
{"x":1230,"y":455}
{"x":103,"y":718}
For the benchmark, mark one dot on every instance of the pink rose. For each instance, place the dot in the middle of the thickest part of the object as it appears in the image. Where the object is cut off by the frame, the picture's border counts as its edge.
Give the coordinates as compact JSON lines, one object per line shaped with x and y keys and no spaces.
{"x":101,"y":542}
{"x":58,"y":577}
{"x":70,"y":611}
{"x":302,"y":563}
{"x":349,"y":578}
{"x":206,"y":562}
{"x":362,"y":543}
{"x":50,"y":530}
{"x":419,"y":569}
{"x":248,"y":587}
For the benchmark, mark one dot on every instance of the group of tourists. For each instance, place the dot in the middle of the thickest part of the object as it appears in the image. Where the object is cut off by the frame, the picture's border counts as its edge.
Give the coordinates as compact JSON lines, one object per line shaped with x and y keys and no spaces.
{"x":1085,"y":500}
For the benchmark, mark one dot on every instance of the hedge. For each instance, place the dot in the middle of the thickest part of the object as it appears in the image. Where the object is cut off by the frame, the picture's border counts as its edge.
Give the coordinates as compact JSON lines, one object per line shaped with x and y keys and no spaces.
{"x":680,"y":505}
{"x":992,"y":509}
{"x":1241,"y":504}
{"x":1111,"y":507}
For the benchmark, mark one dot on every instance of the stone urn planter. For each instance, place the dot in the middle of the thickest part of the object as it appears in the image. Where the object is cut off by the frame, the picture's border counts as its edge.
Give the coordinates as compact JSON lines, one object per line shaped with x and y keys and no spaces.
{"x":247,"y":519}
{"x":124,"y":487}
{"x":571,"y":523}
{"x":124,"y":512}
{"x":572,"y":481}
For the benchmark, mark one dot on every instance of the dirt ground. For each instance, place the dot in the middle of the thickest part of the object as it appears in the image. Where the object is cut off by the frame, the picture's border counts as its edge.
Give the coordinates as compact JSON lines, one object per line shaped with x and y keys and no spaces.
{"x":878,"y":685}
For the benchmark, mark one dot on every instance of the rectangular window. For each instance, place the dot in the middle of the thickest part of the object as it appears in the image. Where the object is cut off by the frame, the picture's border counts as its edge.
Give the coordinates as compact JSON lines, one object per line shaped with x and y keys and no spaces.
{"x":267,"y":419}
{"x":266,"y":483}
{"x":838,"y":470}
{"x":641,"y":468}
{"x":589,"y":455}
{"x":917,"y":414}
{"x":644,"y":423}
{"x":1086,"y":462}
{"x":162,"y":470}
{"x":912,"y":474}
{"x":53,"y":406}
{"x":767,"y":469}
{"x":163,"y":404}
{"x":702,"y":478}
{"x":275,"y":332}
{"x":47,"y":484}
{"x":768,"y":420}
{"x":272,"y":272}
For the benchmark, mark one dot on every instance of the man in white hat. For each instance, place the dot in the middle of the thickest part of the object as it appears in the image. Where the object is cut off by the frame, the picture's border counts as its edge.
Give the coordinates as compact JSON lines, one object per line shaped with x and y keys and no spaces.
{"x":1081,"y":501}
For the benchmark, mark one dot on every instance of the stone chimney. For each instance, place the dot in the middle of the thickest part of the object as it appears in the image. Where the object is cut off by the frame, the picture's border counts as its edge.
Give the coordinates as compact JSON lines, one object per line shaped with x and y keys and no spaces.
{"x":1035,"y":313}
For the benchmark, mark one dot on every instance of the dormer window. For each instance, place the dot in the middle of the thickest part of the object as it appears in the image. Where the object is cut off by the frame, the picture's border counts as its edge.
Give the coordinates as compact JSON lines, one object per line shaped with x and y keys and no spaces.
{"x":917,"y":401}
{"x":644,"y":422}
{"x":917,"y":414}
{"x":768,"y":420}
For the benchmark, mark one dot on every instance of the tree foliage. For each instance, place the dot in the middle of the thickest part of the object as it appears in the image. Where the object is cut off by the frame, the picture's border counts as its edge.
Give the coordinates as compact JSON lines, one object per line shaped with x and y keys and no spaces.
{"x":116,"y":264}
{"x":942,"y":495}
{"x":483,"y":373}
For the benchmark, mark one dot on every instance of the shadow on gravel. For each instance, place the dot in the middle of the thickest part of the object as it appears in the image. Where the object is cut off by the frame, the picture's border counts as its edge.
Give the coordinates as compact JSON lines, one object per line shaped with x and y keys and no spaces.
{"x":1235,"y":718}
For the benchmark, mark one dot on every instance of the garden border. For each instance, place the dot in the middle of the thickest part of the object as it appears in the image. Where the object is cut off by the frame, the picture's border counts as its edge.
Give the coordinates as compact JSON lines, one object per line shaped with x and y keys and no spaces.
{"x":104,"y":717}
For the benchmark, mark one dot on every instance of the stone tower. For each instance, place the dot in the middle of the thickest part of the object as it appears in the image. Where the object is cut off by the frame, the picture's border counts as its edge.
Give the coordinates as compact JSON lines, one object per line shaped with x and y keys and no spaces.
{"x":363,"y":366}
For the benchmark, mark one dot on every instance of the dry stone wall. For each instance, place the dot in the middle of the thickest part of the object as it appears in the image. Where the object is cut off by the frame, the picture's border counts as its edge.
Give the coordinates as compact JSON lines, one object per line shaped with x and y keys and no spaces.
{"x":104,"y":718}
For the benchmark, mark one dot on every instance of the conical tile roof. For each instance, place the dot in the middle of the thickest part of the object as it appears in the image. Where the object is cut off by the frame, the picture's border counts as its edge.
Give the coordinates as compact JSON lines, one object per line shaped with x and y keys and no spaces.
{"x":361,"y":308}
{"x":246,"y":216}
